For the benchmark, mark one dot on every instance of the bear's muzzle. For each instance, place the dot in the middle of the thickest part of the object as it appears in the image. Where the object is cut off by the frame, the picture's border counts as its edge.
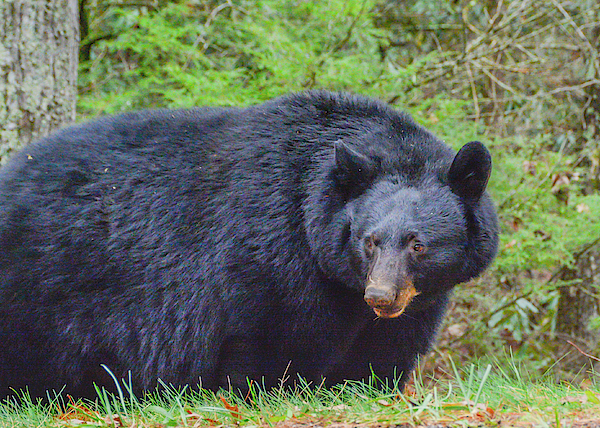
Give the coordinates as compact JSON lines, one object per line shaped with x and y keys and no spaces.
{"x":389,"y":290}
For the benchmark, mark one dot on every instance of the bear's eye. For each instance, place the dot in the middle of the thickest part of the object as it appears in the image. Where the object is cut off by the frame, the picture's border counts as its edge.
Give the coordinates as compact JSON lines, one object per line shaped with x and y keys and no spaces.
{"x":370,"y":244}
{"x":417,"y":247}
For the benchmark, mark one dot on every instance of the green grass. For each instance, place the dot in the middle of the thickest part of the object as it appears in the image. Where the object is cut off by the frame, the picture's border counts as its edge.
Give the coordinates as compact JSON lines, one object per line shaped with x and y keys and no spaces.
{"x":478,"y":395}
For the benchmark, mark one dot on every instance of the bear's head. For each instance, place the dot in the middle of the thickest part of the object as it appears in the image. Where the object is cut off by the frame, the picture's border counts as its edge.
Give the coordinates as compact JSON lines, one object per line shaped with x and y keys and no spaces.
{"x":404,"y":232}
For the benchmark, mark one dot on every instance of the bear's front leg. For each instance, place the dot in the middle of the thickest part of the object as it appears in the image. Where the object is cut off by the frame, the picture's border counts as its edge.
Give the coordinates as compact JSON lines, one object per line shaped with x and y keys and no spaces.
{"x":388,"y":348}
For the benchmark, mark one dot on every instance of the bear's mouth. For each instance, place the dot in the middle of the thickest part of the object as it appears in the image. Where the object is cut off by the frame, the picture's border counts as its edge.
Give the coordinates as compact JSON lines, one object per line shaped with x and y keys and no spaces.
{"x":397,"y":308}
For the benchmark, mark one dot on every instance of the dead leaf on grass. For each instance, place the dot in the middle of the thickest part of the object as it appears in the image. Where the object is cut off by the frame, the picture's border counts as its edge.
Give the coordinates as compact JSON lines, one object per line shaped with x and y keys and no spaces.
{"x":457,"y":330}
{"x":233,"y":409}
{"x":113,"y":420}
{"x":340,"y":407}
{"x":574,"y":399}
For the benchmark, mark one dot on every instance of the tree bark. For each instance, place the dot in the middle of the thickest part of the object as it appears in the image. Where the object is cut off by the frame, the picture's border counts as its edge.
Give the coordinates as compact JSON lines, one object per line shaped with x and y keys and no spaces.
{"x":39,"y":42}
{"x":579,"y":301}
{"x":579,"y":304}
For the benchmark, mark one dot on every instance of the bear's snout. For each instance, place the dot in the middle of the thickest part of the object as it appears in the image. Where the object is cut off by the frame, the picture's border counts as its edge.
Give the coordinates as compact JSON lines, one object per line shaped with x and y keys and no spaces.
{"x":387,"y":301}
{"x":380,"y":296}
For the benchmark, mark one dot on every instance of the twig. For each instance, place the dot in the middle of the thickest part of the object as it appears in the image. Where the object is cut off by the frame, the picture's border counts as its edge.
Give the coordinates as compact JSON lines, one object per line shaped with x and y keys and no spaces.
{"x":474,"y":92}
{"x":345,"y":40}
{"x":584,"y":353}
{"x":575,"y":87}
{"x":494,"y":78}
{"x":211,"y":17}
{"x":569,"y":18}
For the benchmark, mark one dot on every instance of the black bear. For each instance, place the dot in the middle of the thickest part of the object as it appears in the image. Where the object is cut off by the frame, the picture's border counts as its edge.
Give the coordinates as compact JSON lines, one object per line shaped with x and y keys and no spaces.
{"x":317,"y":234}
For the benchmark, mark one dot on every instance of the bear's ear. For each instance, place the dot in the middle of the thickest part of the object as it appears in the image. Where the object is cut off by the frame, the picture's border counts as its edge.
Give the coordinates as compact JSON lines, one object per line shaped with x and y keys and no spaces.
{"x":351,"y":166}
{"x":470,"y":171}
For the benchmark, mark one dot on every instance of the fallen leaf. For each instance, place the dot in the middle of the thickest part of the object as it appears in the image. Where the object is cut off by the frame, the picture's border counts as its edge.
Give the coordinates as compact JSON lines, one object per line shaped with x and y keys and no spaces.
{"x":544,"y":236}
{"x":530,"y":167}
{"x":340,"y":407}
{"x":560,"y":179}
{"x":457,"y":330}
{"x":574,"y":399}
{"x":114,"y":420}
{"x":516,"y":223}
{"x":233,"y":409}
{"x":582,"y":208}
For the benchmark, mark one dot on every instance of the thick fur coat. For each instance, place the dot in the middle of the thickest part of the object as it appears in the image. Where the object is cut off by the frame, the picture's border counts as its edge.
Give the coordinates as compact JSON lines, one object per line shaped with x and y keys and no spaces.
{"x":318,"y":234}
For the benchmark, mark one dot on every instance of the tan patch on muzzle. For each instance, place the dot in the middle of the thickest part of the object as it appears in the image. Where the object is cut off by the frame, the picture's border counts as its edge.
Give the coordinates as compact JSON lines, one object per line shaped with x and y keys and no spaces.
{"x":402,"y":299}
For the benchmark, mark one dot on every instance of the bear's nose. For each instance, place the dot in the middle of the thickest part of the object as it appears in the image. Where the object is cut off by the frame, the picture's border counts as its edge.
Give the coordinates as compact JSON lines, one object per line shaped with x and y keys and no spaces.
{"x":380,"y":296}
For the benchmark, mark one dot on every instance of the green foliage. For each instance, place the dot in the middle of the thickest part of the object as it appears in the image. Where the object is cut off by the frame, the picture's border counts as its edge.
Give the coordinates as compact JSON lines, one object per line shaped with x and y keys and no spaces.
{"x":199,"y":53}
{"x":545,"y":216}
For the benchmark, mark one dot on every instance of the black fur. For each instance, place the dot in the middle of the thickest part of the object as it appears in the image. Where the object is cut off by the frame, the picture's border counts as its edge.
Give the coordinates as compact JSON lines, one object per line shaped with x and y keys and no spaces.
{"x":229,"y":243}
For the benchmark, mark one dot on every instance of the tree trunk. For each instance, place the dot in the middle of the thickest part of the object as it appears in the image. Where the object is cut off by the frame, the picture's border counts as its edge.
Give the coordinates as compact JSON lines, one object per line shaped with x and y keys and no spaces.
{"x":580,"y":302}
{"x":39,"y":42}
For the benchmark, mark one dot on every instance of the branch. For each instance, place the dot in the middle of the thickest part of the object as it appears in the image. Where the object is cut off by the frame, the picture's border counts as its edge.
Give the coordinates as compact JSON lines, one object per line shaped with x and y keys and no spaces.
{"x":583,"y":353}
{"x":575,"y":87}
{"x":345,"y":40}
